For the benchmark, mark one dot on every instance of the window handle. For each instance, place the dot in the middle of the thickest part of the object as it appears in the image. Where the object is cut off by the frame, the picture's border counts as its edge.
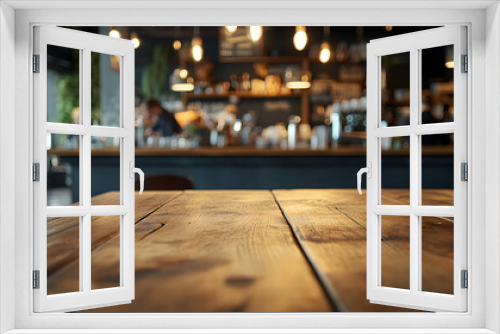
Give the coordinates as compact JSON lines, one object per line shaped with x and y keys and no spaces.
{"x":368,"y":172}
{"x":134,"y":170}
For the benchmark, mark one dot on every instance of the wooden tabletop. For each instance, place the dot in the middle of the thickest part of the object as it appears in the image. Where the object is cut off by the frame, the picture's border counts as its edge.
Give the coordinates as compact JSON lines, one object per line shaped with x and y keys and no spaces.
{"x":253,"y":251}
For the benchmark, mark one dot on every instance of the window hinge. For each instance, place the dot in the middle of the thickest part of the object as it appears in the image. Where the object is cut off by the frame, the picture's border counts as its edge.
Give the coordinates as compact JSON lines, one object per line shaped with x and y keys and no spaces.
{"x":464,"y":171}
{"x":36,"y":279}
{"x":465,"y":64}
{"x":36,"y":172}
{"x":36,"y":63}
{"x":465,"y":279}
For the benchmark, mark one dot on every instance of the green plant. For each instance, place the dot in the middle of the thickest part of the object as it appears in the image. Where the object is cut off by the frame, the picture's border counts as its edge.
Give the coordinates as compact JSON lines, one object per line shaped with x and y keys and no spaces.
{"x":68,"y":91}
{"x":155,"y":77}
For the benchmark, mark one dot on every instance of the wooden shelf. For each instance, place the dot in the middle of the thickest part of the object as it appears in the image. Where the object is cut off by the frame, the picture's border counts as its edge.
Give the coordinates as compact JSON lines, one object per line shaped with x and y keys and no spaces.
{"x":285,"y":60}
{"x":243,"y":95}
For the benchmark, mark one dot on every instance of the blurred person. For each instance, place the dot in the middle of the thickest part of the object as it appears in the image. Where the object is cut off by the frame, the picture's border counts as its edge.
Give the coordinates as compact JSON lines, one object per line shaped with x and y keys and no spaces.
{"x":164,"y":123}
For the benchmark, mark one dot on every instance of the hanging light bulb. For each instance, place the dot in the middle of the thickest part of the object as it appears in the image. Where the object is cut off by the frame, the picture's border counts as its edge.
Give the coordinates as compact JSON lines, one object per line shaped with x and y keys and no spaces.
{"x":255,"y":33}
{"x":197,"y":49}
{"x":113,"y":32}
{"x":196,"y":45}
{"x":300,"y":38}
{"x":135,"y":40}
{"x":325,"y":51}
{"x":231,"y":29}
{"x":177,"y":45}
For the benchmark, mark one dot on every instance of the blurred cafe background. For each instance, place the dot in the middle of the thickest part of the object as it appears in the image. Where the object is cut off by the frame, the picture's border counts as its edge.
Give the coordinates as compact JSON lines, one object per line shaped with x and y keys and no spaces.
{"x":247,"y":108}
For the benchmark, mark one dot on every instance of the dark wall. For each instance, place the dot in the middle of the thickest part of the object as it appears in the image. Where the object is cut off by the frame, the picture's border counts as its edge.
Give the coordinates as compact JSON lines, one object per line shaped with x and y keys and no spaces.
{"x":270,"y":172}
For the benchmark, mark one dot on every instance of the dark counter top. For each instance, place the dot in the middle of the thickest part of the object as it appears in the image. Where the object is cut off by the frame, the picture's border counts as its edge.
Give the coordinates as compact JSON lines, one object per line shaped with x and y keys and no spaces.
{"x":252,"y":151}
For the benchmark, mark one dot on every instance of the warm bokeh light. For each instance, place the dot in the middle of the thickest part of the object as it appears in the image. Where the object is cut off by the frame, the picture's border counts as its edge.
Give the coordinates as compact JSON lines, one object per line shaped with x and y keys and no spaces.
{"x":197,"y":49}
{"x":177,"y":45}
{"x":231,"y":29}
{"x":183,"y":87}
{"x":300,"y":38}
{"x":388,"y":28}
{"x":325,"y":53}
{"x":113,"y":32}
{"x":255,"y":33}
{"x":449,"y":64}
{"x":183,"y":73}
{"x":135,"y":40}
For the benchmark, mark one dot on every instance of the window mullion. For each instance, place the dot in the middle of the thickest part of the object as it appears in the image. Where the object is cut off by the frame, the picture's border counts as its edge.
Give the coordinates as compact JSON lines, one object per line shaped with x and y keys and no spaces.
{"x":85,"y":151}
{"x":415,"y":171}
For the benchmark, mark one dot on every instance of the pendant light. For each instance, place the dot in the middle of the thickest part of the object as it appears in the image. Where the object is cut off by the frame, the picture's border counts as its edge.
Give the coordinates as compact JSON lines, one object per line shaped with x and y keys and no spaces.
{"x":113,"y":32}
{"x":255,"y":33}
{"x":300,"y":38}
{"x":295,"y":78}
{"x":177,"y":43}
{"x":325,"y":53}
{"x":135,"y":40}
{"x":180,"y":82}
{"x":196,"y":45}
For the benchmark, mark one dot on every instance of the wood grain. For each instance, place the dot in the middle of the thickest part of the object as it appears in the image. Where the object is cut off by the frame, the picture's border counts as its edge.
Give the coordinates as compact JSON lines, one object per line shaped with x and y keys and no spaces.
{"x":216,"y":251}
{"x":332,"y":224}
{"x":225,"y":251}
{"x":63,"y":236}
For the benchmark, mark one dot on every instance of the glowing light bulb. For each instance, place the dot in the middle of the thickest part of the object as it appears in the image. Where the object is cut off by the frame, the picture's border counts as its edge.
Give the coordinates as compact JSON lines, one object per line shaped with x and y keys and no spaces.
{"x":177,"y":45}
{"x":231,"y":29}
{"x":183,"y":73}
{"x":197,"y":49}
{"x":300,"y":38}
{"x":255,"y":33}
{"x":325,"y":53}
{"x":113,"y":32}
{"x":135,"y":40}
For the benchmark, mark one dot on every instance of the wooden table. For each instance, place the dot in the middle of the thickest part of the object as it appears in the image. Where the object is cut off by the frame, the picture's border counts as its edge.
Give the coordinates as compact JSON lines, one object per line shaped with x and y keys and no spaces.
{"x":253,"y":251}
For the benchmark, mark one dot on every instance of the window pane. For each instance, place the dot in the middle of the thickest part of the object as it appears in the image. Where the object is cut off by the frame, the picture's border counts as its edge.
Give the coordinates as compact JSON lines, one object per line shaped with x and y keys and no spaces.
{"x":437,"y":254}
{"x":63,"y":179}
{"x":437,"y":85}
{"x":105,"y":170}
{"x":105,"y":89}
{"x":106,"y":254}
{"x":63,"y":85}
{"x":437,"y":169}
{"x":395,"y":244}
{"x":395,"y":172}
{"x":63,"y":248}
{"x":395,"y":84}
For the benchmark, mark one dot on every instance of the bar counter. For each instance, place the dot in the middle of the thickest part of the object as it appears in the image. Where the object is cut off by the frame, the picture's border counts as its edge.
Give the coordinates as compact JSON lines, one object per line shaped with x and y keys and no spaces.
{"x":251,"y":168}
{"x":242,"y":151}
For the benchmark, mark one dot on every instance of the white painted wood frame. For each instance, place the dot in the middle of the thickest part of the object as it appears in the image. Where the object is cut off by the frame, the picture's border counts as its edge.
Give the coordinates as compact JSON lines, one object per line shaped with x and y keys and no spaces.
{"x":85,"y":43}
{"x":413,"y":44}
{"x":482,"y":19}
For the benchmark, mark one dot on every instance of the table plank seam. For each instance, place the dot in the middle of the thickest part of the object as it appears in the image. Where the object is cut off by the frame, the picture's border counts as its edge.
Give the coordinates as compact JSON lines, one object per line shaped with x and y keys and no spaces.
{"x":330,"y":291}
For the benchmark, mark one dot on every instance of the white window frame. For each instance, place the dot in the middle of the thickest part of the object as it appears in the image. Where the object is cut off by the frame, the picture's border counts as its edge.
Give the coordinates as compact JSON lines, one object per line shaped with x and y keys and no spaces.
{"x":414,"y":44}
{"x":484,"y":263}
{"x":86,"y":297}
